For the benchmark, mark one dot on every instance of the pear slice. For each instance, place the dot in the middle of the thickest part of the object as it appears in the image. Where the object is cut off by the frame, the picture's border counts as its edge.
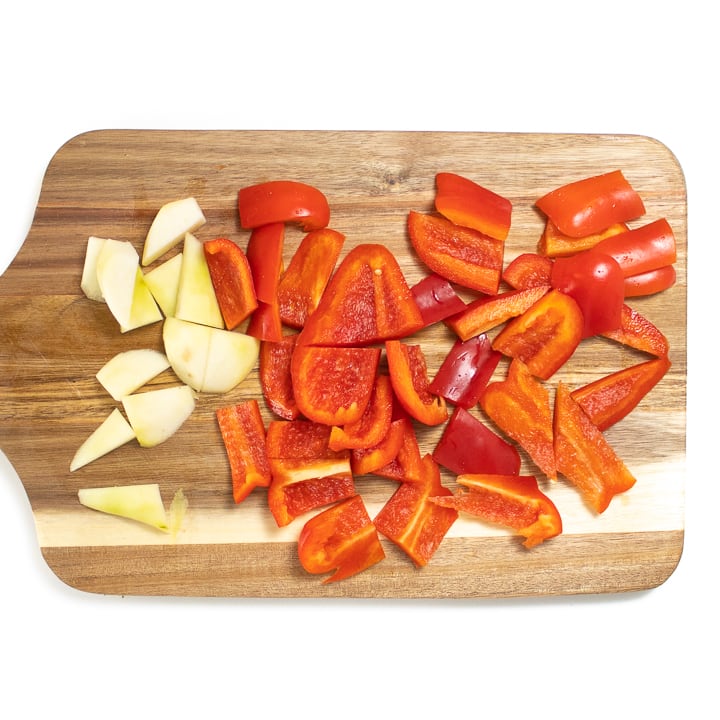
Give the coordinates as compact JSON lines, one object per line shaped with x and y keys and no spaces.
{"x":196,"y":301}
{"x":172,"y":221}
{"x":89,"y":282}
{"x":117,"y":266}
{"x":135,"y":502}
{"x":108,"y":436}
{"x":163,"y":282}
{"x":156,"y":415}
{"x":144,"y":310}
{"x":128,"y":371}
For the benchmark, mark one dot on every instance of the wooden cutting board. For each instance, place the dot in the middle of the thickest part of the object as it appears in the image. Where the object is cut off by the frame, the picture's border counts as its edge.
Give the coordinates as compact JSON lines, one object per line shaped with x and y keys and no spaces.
{"x":53,"y":340}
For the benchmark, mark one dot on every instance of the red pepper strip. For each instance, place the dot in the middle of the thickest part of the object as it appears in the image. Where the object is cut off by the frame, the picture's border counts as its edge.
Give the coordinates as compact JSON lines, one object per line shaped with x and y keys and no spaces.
{"x":459,"y":254}
{"x":650,"y":282}
{"x":554,"y":244}
{"x":584,"y":456}
{"x":528,"y":270}
{"x":265,"y":255}
{"x":411,"y":521}
{"x":595,"y":281}
{"x":243,"y":434}
{"x":408,"y":374}
{"x":232,"y":280}
{"x":332,"y":385}
{"x":374,"y":424}
{"x":591,"y":205}
{"x":465,"y":371}
{"x":366,"y":301}
{"x":265,"y":324}
{"x":466,"y":203}
{"x":520,"y":407}
{"x":275,"y":378}
{"x":436,"y":299}
{"x":645,"y":248}
{"x":307,"y":275}
{"x":636,"y":331}
{"x":285,"y":201}
{"x":305,"y":473}
{"x":368,"y":460}
{"x":514,"y":501}
{"x":341,"y":538}
{"x":545,"y":335}
{"x":610,"y":398}
{"x":467,"y":445}
{"x":407,"y":464}
{"x":486,"y":313}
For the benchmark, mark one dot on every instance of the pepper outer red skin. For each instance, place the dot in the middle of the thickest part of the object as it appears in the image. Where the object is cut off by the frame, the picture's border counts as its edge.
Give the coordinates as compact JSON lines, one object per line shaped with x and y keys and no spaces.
{"x":341,"y":538}
{"x":554,"y":244}
{"x":436,"y":299}
{"x":265,"y":323}
{"x":275,"y":377}
{"x":265,"y":256}
{"x":650,"y":282}
{"x":528,"y":270}
{"x":285,"y":201}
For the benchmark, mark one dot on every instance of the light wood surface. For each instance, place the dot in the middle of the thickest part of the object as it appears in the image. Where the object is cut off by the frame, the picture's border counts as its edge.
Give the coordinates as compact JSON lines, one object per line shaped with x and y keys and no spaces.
{"x":53,"y":340}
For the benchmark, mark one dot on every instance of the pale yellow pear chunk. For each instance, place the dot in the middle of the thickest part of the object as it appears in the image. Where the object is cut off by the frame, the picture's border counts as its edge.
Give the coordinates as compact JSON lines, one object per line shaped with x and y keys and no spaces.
{"x":89,"y":280}
{"x":135,"y":502}
{"x":163,"y":282}
{"x":117,"y":266}
{"x":169,"y":226}
{"x":144,"y":309}
{"x":112,"y":433}
{"x":128,"y":371}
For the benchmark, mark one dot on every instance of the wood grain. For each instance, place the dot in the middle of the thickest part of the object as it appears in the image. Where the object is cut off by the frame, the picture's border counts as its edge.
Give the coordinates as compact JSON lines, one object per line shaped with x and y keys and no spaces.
{"x":53,"y":340}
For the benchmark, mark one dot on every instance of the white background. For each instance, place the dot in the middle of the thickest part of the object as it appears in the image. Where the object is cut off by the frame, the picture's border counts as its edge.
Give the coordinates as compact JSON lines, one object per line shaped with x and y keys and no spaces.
{"x":627,"y":67}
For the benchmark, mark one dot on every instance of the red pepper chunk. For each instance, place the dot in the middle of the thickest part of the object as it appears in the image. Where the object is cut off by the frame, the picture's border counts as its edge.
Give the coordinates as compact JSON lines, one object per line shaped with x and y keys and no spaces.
{"x":459,"y":254}
{"x":265,"y":256}
{"x":591,"y":205}
{"x":407,"y":463}
{"x":341,"y":538}
{"x":275,"y":377}
{"x":584,"y":456}
{"x":436,"y":299}
{"x":265,"y":323}
{"x":368,"y":460}
{"x":555,"y":244}
{"x":414,"y":523}
{"x":650,"y":282}
{"x":528,"y":270}
{"x":637,"y":332}
{"x":466,"y":203}
{"x":514,"y":501}
{"x":243,"y":434}
{"x":285,"y":201}
{"x":408,"y":374}
{"x":232,"y":280}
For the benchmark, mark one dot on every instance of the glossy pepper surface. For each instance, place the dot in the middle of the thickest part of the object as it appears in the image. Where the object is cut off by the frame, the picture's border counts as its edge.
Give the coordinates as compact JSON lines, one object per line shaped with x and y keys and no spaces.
{"x":284,"y":201}
{"x":436,"y":299}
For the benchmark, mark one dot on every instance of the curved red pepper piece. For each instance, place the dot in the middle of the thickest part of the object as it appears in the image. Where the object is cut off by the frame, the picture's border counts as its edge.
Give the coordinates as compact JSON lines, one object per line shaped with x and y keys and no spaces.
{"x":275,"y":378}
{"x":407,"y":463}
{"x":285,"y":201}
{"x":341,"y":538}
{"x":265,"y":256}
{"x":265,"y":323}
{"x":436,"y":299}
{"x":528,"y":270}
{"x":368,"y":460}
{"x":636,"y":331}
{"x":650,"y":282}
{"x":555,"y":244}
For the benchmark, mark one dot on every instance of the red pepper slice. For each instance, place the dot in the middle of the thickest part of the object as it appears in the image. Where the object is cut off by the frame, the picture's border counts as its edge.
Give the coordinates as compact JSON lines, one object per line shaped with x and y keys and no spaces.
{"x":407,"y":464}
{"x":554,"y":244}
{"x":436,"y":299}
{"x":265,"y":256}
{"x":584,"y":456}
{"x":520,"y":407}
{"x":610,"y":398}
{"x":275,"y":378}
{"x":341,"y":538}
{"x":545,"y":335}
{"x":285,"y":201}
{"x":459,"y":254}
{"x":333,"y":385}
{"x":411,"y":521}
{"x":307,"y":275}
{"x":366,"y":301}
{"x":243,"y":434}
{"x":232,"y":280}
{"x":467,"y":445}
{"x":591,"y":205}
{"x":265,"y":323}
{"x":595,"y":281}
{"x":409,"y":377}
{"x":465,"y":371}
{"x":528,"y":270}
{"x":636,"y":331}
{"x":650,"y":282}
{"x":514,"y":501}
{"x":368,"y":460}
{"x":466,"y":203}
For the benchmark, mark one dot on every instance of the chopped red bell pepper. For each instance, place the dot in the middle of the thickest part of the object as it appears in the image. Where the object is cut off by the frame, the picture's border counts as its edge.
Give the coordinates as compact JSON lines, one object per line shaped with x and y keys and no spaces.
{"x":459,"y":254}
{"x":465,"y":371}
{"x":232,"y":280}
{"x":366,"y":301}
{"x":610,"y":398}
{"x":333,"y":385}
{"x":275,"y":378}
{"x":243,"y":434}
{"x":514,"y":501}
{"x":650,"y":282}
{"x":285,"y":201}
{"x":436,"y":299}
{"x":591,"y":205}
{"x":410,"y":382}
{"x":307,"y":275}
{"x":467,"y":445}
{"x":368,"y":460}
{"x":265,"y":323}
{"x":595,"y":281}
{"x":636,"y":331}
{"x":341,"y":538}
{"x":407,"y":463}
{"x":466,"y":203}
{"x":528,"y":270}
{"x":265,"y":256}
{"x":520,"y":407}
{"x":555,"y":244}
{"x":584,"y":456}
{"x":545,"y":335}
{"x":411,"y":521}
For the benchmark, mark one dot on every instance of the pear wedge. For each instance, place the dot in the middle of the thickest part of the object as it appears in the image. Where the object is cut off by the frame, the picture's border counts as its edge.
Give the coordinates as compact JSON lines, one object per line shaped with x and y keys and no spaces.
{"x":142,"y":503}
{"x":113,"y":432}
{"x":169,"y":226}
